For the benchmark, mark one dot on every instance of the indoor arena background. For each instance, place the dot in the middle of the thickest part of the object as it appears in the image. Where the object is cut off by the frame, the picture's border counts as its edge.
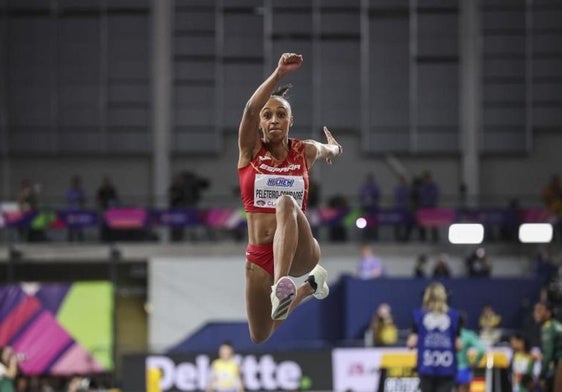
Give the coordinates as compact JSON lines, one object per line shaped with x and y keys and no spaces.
{"x":133,"y":279}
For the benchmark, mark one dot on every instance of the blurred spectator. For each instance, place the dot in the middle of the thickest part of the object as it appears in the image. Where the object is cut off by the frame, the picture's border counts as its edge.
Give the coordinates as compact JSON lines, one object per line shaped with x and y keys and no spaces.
{"x":75,"y":200}
{"x":77,"y":384}
{"x":552,"y":291}
{"x":420,"y":266}
{"x":28,"y":203}
{"x":27,"y":199}
{"x":435,"y":331}
{"x":510,"y":229}
{"x":465,"y":362}
{"x":463,"y":196}
{"x":551,"y":335}
{"x":522,"y":364}
{"x":8,"y":368}
{"x":478,"y":265}
{"x":28,"y":196}
{"x":544,"y":269}
{"x":106,"y":197}
{"x":177,"y":199}
{"x":370,"y":265}
{"x":489,"y":323}
{"x":402,"y":203}
{"x":415,"y":200}
{"x":382,"y":330}
{"x":193,"y":184}
{"x":428,"y":198}
{"x":75,"y":197}
{"x":185,"y":192}
{"x":552,"y":195}
{"x":441,"y":268}
{"x":177,"y":192}
{"x":369,"y":200}
{"x":225,"y":372}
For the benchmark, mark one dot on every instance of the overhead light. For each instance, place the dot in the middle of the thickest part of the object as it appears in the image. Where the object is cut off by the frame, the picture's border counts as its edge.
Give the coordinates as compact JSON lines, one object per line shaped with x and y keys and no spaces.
{"x":535,"y":233}
{"x":466,"y":233}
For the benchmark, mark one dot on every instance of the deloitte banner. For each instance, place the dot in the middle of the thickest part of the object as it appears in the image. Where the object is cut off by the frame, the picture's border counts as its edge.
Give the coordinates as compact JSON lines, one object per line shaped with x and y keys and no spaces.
{"x":280,"y":371}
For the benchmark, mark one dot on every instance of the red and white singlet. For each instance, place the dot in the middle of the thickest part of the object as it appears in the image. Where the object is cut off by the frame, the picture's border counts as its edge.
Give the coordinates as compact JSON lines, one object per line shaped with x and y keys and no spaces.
{"x":265,"y":179}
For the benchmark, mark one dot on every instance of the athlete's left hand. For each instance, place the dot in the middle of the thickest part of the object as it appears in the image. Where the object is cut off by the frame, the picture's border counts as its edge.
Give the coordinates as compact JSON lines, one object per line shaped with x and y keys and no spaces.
{"x":332,"y":140}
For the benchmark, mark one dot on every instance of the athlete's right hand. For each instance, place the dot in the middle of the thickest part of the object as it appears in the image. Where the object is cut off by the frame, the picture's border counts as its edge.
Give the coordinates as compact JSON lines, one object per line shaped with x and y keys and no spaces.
{"x":289,"y":62}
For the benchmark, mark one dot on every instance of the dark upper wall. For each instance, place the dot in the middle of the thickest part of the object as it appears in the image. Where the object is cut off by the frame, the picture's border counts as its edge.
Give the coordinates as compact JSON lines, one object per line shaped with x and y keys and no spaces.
{"x":77,"y":82}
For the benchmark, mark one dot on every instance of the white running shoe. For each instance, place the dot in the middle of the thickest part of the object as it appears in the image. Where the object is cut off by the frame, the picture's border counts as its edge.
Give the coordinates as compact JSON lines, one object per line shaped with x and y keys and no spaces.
{"x":282,"y":294}
{"x":319,"y":276}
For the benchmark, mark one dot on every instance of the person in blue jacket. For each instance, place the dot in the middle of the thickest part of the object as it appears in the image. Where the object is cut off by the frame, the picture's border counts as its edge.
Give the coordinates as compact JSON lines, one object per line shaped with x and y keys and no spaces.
{"x":436,"y":336}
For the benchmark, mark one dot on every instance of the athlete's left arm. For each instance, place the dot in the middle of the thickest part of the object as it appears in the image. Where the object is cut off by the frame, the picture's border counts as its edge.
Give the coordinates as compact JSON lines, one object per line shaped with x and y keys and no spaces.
{"x":327,"y":151}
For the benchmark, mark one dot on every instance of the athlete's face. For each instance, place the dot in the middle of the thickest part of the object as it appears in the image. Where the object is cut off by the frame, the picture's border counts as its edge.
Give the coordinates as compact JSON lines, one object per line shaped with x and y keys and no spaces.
{"x":276,"y":119}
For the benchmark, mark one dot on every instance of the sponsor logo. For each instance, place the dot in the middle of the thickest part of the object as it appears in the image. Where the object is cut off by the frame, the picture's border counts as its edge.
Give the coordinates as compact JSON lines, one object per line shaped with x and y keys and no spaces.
{"x":281,"y":181}
{"x":258,"y":373}
{"x":286,"y":169}
{"x":260,"y":203}
{"x":264,"y":158}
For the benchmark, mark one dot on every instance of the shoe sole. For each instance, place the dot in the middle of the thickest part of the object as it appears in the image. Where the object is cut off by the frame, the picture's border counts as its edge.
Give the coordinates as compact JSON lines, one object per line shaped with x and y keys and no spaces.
{"x":285,"y":291}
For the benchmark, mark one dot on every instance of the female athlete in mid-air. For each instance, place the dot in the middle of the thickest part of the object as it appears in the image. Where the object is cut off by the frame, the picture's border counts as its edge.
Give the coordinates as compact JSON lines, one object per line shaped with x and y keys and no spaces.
{"x":273,"y":173}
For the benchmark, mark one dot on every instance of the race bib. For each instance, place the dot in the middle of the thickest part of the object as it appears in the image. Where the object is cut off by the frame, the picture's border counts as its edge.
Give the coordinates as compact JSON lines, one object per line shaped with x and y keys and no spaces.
{"x":269,"y":187}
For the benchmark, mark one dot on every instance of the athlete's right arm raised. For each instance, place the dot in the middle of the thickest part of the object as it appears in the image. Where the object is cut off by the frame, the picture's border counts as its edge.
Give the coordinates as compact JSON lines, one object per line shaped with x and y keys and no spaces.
{"x":248,"y":132}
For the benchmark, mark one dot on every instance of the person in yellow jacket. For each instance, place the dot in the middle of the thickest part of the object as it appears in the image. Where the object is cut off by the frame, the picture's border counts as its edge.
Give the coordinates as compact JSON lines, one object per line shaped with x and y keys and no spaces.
{"x":225,"y":372}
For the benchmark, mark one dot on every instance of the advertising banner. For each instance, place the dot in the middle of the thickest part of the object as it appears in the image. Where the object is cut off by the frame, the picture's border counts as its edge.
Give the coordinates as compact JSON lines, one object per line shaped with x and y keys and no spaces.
{"x":79,"y":218}
{"x":435,"y":217}
{"x":60,"y":328}
{"x":279,"y":371}
{"x":126,"y":218}
{"x":393,"y":369}
{"x":176,"y":217}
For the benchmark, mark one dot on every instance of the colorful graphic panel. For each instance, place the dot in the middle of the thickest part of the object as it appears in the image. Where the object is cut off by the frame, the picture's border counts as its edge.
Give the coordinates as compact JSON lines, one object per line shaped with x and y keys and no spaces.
{"x":61,"y":328}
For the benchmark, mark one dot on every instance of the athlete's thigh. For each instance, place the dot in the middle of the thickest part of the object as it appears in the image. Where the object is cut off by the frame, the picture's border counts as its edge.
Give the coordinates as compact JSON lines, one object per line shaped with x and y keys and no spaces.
{"x":308,"y":250}
{"x":258,"y":302}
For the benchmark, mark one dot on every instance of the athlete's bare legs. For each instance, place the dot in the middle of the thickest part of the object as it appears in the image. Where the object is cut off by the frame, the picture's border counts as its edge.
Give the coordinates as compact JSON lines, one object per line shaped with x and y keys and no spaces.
{"x":295,"y":252}
{"x":258,"y":304}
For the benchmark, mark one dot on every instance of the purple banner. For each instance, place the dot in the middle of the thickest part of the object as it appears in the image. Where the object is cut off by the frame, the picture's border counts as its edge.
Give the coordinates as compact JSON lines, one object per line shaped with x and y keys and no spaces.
{"x":232,"y":218}
{"x":18,"y":218}
{"x":537,"y":215}
{"x":393,"y":217}
{"x":126,"y":218}
{"x":224,"y":218}
{"x":435,"y":217}
{"x":487,"y":216}
{"x":176,"y":218}
{"x":79,"y":218}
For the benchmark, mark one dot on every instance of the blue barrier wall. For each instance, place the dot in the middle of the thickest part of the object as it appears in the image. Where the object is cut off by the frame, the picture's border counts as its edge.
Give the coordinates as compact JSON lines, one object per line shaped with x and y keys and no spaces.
{"x":510,"y":298}
{"x":345,"y":314}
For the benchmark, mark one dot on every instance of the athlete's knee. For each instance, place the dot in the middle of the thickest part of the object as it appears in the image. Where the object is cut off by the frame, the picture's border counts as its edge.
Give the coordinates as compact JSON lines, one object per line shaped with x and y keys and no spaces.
{"x":286,"y":204}
{"x":259,"y":336}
